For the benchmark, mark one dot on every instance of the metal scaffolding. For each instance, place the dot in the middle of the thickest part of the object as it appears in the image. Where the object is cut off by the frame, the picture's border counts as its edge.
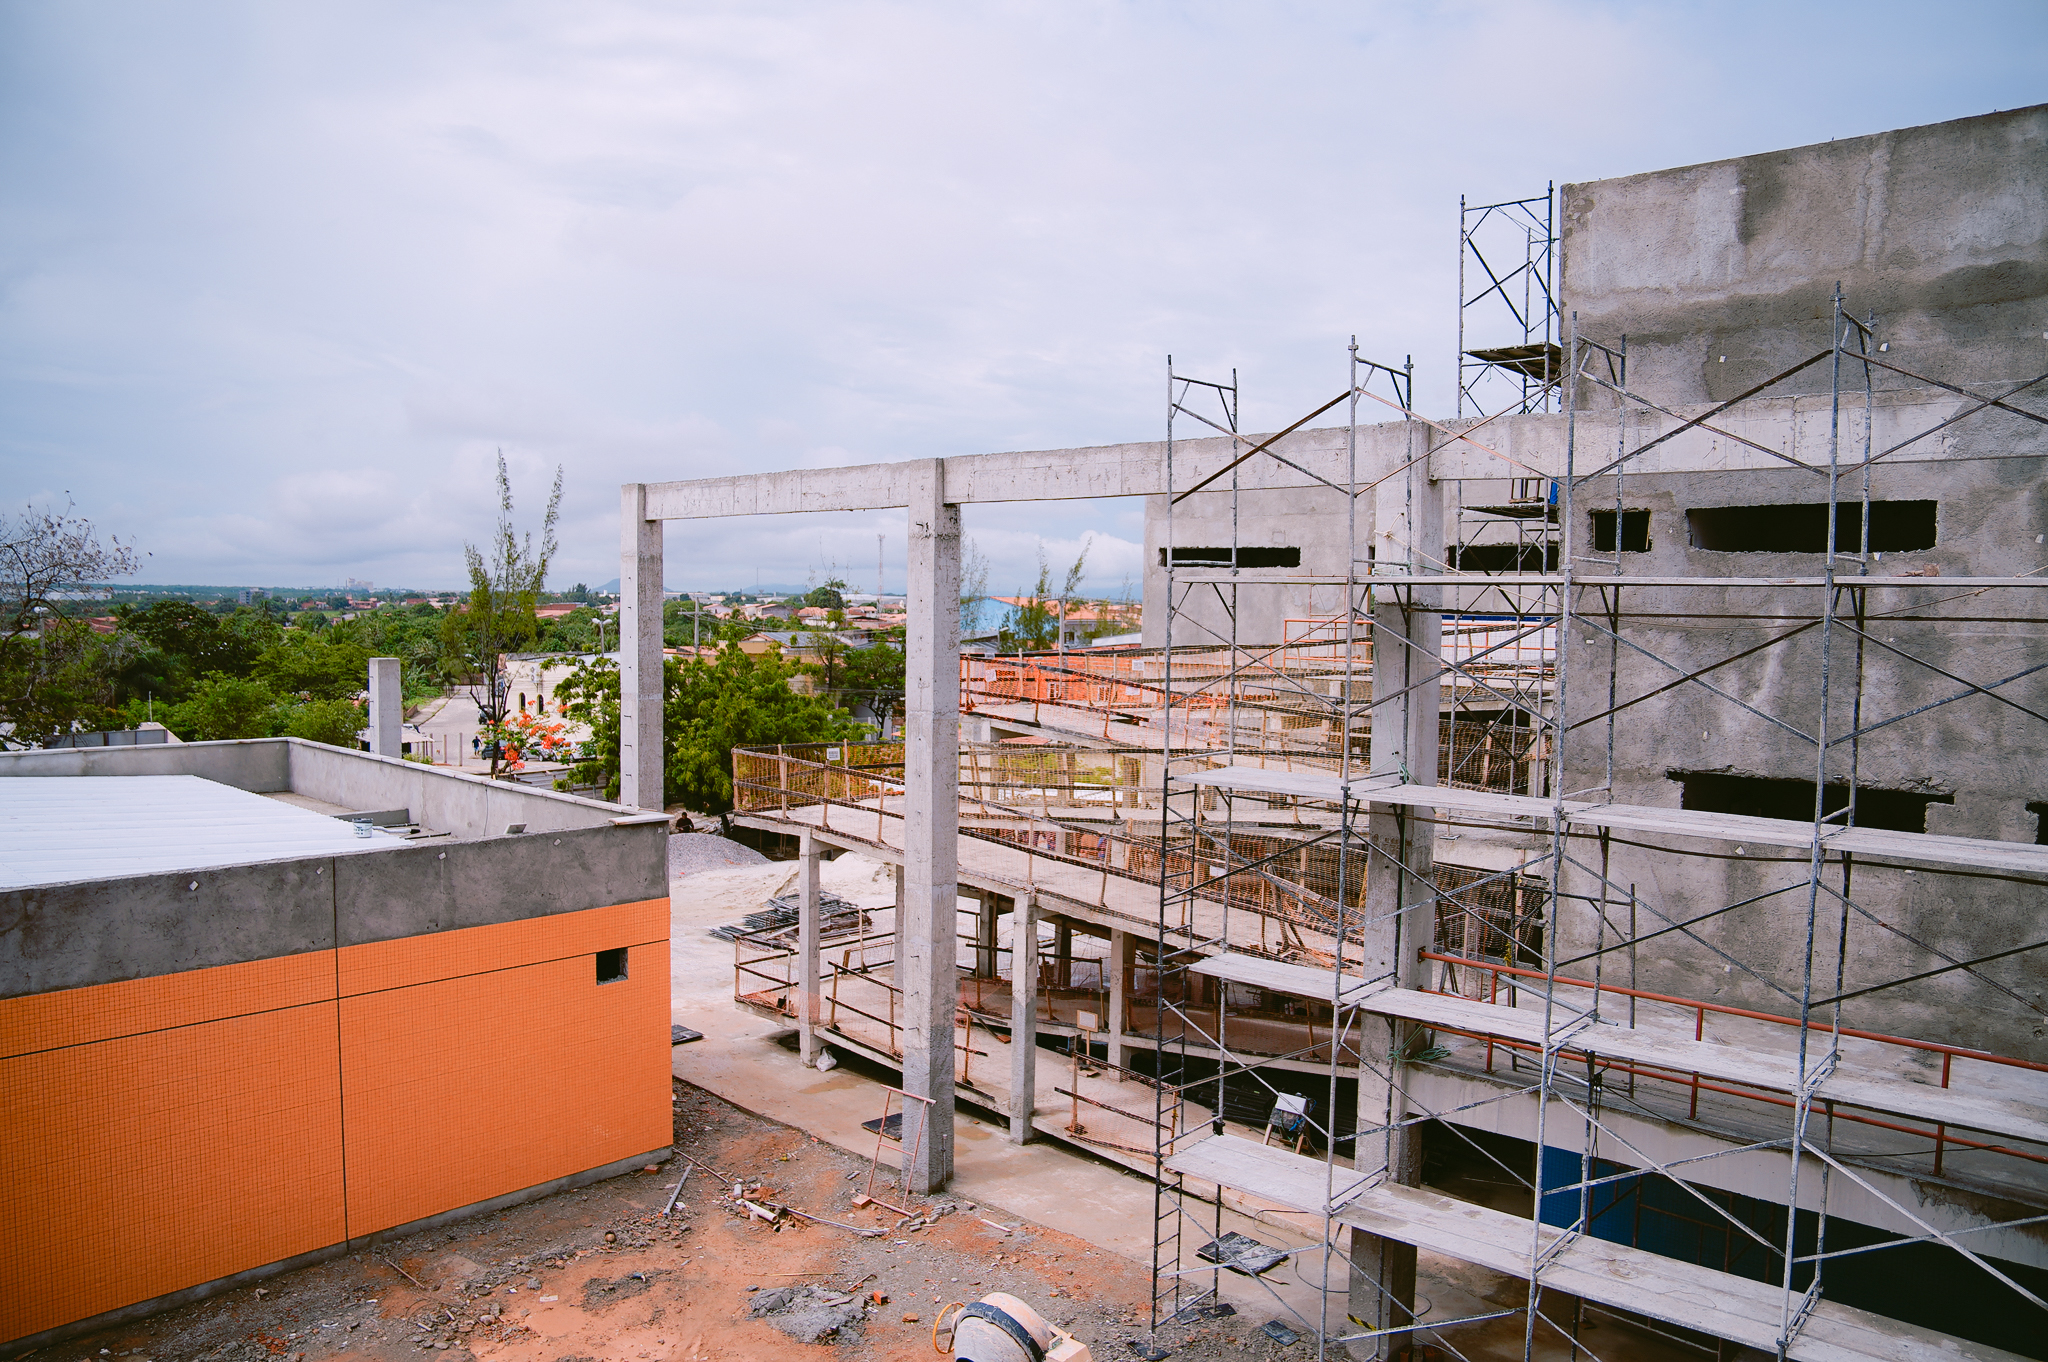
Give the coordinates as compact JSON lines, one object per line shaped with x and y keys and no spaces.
{"x":1545,"y":646}
{"x":1509,"y":359}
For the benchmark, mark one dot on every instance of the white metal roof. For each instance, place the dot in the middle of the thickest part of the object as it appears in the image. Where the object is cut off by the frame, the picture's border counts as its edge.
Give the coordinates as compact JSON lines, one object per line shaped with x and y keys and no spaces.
{"x":60,"y":829}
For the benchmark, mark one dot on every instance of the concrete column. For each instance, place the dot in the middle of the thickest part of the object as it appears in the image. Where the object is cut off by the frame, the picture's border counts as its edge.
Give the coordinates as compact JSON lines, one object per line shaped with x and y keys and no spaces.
{"x":1023,"y":1015}
{"x":808,"y":862}
{"x":1407,"y":632}
{"x":387,"y":708}
{"x":985,"y":934}
{"x":1063,"y":953}
{"x":927,"y":923}
{"x":1120,"y":955}
{"x":640,"y":688}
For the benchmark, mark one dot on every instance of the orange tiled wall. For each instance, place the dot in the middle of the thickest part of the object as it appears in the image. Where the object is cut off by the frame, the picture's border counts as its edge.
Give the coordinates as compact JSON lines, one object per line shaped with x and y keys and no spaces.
{"x":160,"y":1133}
{"x":518,"y":1069}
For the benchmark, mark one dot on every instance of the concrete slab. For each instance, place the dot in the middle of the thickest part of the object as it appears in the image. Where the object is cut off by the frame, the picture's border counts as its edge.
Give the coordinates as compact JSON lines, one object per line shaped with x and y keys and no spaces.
{"x":743,"y":1059}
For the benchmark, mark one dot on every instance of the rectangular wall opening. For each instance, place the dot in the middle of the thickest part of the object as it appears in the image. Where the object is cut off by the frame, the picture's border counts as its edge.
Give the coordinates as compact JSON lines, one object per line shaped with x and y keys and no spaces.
{"x":2039,"y":808}
{"x":1764,"y":797}
{"x":1895,"y":527}
{"x":1501,"y":558}
{"x":1635,"y":531}
{"x":1248,"y":556}
{"x":611,"y":965}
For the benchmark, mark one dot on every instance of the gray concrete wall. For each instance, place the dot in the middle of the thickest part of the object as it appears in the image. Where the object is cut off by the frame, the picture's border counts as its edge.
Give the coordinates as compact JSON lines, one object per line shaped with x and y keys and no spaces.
{"x":101,"y":931}
{"x":444,"y":800}
{"x":1989,"y":757}
{"x":576,"y":854}
{"x":438,"y":888}
{"x":260,"y":765}
{"x":1941,"y":230}
{"x":1311,"y":520}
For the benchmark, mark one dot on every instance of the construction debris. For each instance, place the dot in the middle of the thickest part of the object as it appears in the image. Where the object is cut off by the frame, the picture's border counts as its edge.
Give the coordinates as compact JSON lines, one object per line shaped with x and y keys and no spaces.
{"x":810,"y":1314}
{"x":776,"y":923}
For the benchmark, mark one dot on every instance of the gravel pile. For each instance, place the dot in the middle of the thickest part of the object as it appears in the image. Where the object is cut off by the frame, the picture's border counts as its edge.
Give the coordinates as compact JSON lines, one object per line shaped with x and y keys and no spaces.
{"x":690,"y":852}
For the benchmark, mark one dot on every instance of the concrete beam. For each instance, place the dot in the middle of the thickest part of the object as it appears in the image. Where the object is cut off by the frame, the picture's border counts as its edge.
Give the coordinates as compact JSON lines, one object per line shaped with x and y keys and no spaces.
{"x":1503,"y":447}
{"x":640,"y":680}
{"x":387,"y":708}
{"x":808,"y":861}
{"x":1023,"y":1015}
{"x":926,"y":925}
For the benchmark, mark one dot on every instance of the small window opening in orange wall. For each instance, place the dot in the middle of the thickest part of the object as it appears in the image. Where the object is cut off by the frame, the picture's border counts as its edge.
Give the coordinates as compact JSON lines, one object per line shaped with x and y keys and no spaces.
{"x":611,"y":966}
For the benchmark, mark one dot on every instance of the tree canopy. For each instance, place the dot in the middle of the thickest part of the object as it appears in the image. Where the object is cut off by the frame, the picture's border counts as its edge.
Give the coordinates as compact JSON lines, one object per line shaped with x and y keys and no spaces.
{"x":504,"y":586}
{"x":709,"y":707}
{"x":55,"y":671}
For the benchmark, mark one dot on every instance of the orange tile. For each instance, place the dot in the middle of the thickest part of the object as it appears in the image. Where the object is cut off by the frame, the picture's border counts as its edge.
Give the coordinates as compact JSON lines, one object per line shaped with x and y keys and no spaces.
{"x":77,"y":1016}
{"x":163,"y":1132}
{"x":464,"y":1089}
{"x":155,"y":1162}
{"x":501,"y":945}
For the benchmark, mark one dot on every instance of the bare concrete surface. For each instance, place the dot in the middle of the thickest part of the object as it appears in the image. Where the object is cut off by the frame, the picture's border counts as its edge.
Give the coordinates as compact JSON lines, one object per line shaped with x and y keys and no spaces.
{"x":750,"y":1061}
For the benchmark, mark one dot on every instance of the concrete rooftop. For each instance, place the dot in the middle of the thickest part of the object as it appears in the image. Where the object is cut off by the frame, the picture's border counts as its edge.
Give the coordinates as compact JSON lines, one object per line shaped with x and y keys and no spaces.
{"x":65,"y":829}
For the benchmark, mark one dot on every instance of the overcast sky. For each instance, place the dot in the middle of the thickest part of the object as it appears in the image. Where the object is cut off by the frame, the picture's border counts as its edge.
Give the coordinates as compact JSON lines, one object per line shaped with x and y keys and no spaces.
{"x":277,"y":280}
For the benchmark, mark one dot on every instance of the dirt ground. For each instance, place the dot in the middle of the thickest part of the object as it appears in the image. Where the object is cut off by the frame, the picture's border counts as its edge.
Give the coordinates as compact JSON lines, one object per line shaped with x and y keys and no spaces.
{"x":598,"y":1275}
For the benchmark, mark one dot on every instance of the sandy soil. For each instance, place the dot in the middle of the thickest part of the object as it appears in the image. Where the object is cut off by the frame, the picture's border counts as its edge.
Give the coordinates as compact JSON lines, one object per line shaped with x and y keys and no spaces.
{"x":598,"y":1275}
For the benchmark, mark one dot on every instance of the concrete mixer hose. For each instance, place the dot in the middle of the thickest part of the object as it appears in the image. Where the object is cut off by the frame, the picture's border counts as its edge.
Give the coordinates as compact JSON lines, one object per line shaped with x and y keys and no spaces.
{"x":939,"y":1326}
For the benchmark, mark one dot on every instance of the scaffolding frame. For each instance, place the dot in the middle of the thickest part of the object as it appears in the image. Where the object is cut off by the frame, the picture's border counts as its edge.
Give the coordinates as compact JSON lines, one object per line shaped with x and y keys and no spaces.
{"x":1570,"y":594}
{"x":1511,"y":362}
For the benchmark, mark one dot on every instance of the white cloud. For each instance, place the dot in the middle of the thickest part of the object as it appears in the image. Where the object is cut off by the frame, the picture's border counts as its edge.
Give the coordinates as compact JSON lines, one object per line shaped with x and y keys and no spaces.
{"x":277,"y":281}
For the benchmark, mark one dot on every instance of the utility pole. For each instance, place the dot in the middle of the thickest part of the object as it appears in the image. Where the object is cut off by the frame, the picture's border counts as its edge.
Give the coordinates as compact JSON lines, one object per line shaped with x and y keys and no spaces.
{"x":880,"y":540}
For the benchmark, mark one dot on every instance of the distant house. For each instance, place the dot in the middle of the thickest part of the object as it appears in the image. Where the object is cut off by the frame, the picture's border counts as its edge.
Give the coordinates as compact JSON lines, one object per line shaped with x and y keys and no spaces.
{"x":533,"y":680}
{"x":1082,"y":624}
{"x":554,"y":610}
{"x":806,"y":645}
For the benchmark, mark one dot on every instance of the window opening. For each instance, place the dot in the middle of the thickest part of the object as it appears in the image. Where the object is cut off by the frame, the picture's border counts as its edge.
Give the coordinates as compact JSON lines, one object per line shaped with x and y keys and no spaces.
{"x":1895,"y":527}
{"x":1248,"y":556}
{"x":1766,"y":797}
{"x":611,"y":965}
{"x":1635,"y":531}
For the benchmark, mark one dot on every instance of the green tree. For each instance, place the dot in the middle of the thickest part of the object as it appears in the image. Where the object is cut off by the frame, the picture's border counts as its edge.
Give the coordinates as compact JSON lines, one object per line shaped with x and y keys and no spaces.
{"x":872,"y":676}
{"x":584,"y":630}
{"x":709,"y":707}
{"x":223,"y":706}
{"x":973,"y":588}
{"x":828,"y":596}
{"x":185,"y":641}
{"x":1035,"y":627}
{"x":503,"y":590}
{"x":56,"y":674}
{"x":329,"y":665}
{"x":334,"y":722}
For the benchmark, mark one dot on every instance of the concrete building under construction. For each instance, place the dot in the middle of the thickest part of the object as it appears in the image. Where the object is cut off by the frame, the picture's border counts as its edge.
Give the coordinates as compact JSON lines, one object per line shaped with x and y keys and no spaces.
{"x":1596,"y":835}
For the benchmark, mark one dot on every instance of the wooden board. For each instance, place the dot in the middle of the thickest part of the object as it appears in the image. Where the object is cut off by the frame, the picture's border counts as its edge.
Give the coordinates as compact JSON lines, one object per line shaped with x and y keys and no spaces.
{"x":1302,"y":981}
{"x":1269,"y":1172}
